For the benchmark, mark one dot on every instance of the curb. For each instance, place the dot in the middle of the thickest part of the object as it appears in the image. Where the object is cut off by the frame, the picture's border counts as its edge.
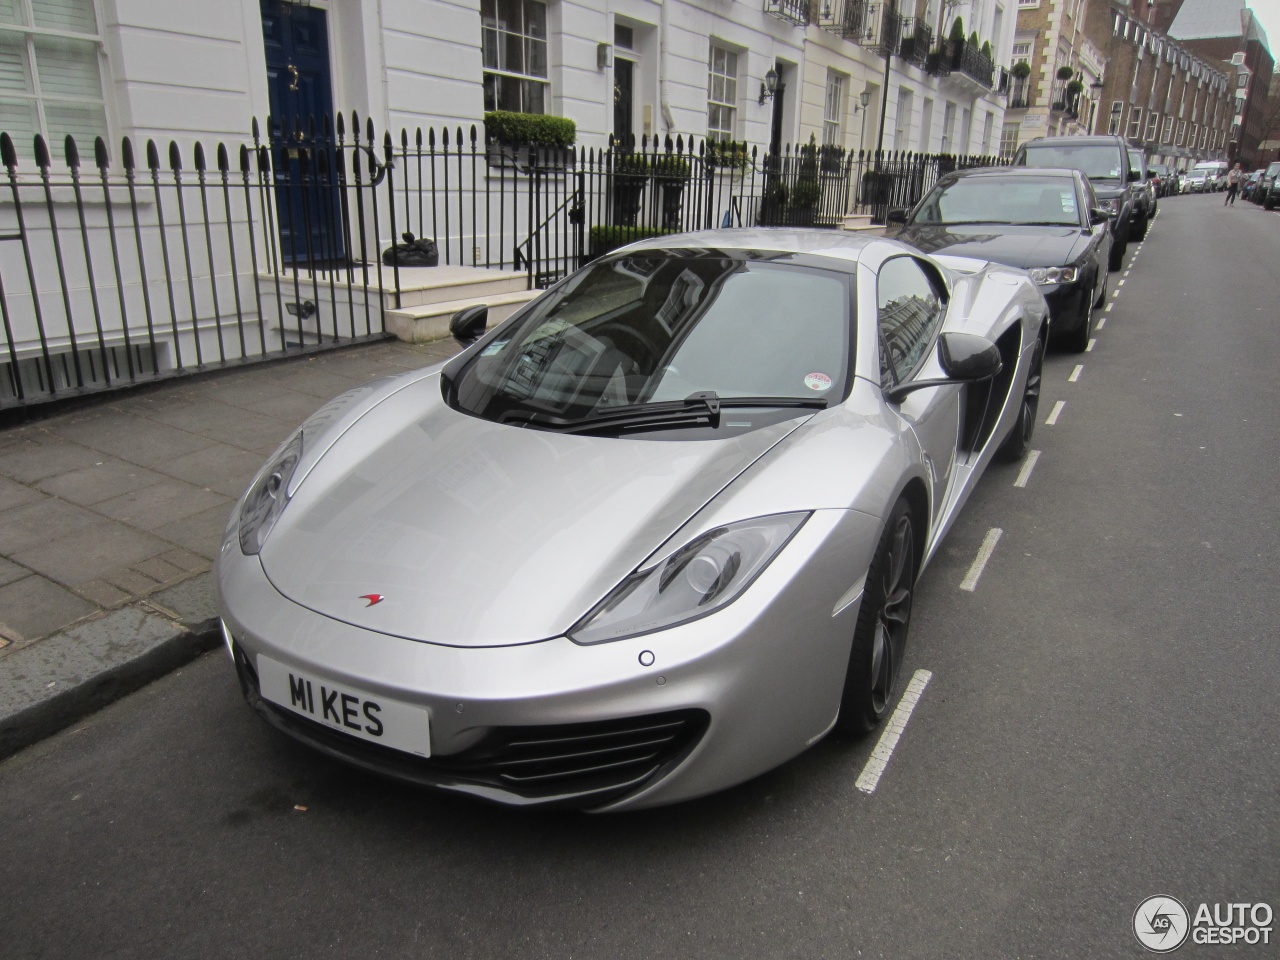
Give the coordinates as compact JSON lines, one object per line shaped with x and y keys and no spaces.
{"x":50,"y":685}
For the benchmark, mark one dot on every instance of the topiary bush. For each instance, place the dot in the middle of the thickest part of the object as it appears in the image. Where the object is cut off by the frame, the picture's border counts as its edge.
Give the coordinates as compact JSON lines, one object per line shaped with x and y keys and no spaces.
{"x":529,"y":129}
{"x":957,"y":31}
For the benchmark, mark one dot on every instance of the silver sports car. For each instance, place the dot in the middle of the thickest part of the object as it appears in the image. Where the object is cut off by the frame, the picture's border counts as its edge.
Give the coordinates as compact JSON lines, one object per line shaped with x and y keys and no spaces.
{"x":649,"y":537}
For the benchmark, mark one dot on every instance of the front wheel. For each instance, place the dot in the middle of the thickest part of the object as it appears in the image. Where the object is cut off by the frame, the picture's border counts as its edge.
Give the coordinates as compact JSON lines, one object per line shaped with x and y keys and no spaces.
{"x":1138,"y":228}
{"x":1018,"y":442}
{"x":1118,"y":247}
{"x":881,"y":634}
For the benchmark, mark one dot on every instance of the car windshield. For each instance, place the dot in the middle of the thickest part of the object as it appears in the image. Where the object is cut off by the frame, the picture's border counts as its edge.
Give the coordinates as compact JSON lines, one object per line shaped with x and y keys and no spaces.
{"x":652,"y":327}
{"x":1098,"y":161}
{"x":1009,"y":199}
{"x":1273,"y":170}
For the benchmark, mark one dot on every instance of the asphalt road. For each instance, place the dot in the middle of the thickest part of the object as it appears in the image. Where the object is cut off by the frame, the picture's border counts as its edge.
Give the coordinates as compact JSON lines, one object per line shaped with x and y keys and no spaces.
{"x":1101,"y":726}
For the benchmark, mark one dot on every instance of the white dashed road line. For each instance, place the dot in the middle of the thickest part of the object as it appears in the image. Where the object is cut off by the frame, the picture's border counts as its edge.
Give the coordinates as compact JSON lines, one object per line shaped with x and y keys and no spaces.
{"x":1092,"y":341}
{"x":1053,"y":414}
{"x":1027,"y":466}
{"x":1107,"y":308}
{"x":1075,"y":374}
{"x":1103,"y":322}
{"x":970,"y":581}
{"x":881,"y":755}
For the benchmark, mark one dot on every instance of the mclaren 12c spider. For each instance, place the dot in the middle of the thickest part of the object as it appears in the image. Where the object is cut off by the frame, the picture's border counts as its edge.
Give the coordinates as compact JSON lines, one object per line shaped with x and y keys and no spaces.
{"x":651,"y":536}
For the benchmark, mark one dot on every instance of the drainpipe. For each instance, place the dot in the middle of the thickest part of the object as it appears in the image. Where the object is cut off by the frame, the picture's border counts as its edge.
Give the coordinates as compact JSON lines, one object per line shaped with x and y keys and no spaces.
{"x":663,"y":104}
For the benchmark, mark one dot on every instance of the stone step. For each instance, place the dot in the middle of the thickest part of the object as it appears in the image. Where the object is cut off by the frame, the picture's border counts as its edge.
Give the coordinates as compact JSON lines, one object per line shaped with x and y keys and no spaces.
{"x":858,"y":222}
{"x":445,"y":284}
{"x":430,"y":321}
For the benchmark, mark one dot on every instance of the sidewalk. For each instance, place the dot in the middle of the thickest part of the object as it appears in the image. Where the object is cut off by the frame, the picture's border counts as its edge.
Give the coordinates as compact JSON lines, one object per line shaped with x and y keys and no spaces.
{"x":111,"y":516}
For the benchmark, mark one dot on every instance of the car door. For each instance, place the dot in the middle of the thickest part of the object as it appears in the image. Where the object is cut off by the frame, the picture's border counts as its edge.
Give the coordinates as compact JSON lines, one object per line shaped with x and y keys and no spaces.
{"x":911,"y":304}
{"x":1099,"y":235}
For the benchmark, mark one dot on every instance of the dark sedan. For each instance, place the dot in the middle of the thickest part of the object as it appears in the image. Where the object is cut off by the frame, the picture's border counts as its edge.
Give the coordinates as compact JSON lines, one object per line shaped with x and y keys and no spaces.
{"x":1046,"y":221}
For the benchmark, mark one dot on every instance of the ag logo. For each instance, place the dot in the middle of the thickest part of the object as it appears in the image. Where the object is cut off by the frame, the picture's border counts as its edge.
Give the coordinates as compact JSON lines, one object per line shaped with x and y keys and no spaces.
{"x":1161,"y":924}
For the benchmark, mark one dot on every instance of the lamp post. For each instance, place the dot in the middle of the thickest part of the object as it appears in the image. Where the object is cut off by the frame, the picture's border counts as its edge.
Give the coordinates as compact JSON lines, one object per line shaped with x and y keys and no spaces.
{"x":864,"y":98}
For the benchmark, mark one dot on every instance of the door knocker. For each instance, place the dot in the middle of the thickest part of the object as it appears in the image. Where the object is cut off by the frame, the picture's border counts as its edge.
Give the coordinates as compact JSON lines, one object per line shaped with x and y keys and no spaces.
{"x":293,"y":70}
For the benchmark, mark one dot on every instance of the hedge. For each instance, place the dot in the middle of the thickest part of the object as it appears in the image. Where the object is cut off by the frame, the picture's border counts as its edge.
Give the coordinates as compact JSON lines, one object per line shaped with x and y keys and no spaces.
{"x":533,"y":129}
{"x":606,"y":238}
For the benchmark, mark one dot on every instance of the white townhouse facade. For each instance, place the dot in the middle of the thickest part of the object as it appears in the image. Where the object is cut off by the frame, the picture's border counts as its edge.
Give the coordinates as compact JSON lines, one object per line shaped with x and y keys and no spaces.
{"x":201,"y":69}
{"x":938,"y":98}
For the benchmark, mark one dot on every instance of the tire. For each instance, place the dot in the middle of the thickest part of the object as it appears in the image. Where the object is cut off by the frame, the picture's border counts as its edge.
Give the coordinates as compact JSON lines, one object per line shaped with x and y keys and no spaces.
{"x":1018,"y":442}
{"x":1077,"y":341}
{"x":1268,"y":203}
{"x":881,"y":633}
{"x":1138,"y":228}
{"x":1102,"y":297}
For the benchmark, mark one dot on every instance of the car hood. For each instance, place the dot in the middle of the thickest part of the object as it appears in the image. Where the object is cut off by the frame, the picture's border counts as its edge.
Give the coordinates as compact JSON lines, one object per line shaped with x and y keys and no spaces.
{"x":1014,"y":246}
{"x":481,"y":534}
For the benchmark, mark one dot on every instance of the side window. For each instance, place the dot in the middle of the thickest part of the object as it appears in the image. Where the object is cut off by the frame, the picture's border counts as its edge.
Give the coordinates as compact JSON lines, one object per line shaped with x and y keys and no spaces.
{"x":910,"y":312}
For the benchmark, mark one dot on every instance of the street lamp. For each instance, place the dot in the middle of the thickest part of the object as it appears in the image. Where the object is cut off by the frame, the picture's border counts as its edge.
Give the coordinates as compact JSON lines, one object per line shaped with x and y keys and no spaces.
{"x":864,"y":98}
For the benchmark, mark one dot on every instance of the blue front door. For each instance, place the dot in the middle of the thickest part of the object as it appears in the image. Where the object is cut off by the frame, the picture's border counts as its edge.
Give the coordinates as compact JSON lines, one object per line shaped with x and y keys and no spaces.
{"x":300,"y":85}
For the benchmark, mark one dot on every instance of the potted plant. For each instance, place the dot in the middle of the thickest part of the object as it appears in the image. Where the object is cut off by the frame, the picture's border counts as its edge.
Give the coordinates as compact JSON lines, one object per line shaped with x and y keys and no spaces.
{"x":671,"y":173}
{"x":1021,"y":70}
{"x":1065,"y":73}
{"x":726,"y":155}
{"x":630,"y":173}
{"x":518,"y":139}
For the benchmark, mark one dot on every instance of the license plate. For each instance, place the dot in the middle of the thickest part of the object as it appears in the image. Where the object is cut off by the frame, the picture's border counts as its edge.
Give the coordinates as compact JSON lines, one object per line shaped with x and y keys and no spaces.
{"x":346,"y":708}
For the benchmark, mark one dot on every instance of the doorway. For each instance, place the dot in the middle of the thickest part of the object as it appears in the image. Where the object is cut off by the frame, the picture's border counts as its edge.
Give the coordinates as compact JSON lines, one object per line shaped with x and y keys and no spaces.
{"x":300,"y":89}
{"x":624,"y":72}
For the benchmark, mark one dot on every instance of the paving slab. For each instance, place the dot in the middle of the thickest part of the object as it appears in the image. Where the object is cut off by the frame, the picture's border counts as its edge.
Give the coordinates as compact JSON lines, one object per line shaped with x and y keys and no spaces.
{"x":96,"y":551}
{"x":43,"y":522}
{"x":222,"y":468}
{"x":38,"y":455}
{"x":162,"y":503}
{"x":201,"y":533}
{"x":14,"y":494}
{"x":103,"y":480}
{"x":33,"y":607}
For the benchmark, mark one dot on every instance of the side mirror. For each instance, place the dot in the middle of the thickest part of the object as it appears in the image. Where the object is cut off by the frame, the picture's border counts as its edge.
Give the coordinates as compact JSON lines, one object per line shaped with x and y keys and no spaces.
{"x":964,"y":357}
{"x":1152,"y":175}
{"x":1098,"y":216}
{"x":469,"y":325}
{"x":896,"y":215}
{"x":1134,"y":176}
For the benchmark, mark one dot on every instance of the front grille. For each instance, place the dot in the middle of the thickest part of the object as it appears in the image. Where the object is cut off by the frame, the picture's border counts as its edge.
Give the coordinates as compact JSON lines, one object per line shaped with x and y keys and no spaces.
{"x":572,"y":764}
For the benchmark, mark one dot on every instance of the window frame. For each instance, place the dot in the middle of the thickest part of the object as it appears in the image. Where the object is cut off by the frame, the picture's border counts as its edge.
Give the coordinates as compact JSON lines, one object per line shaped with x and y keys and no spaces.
{"x":499,"y":32}
{"x":833,"y":126}
{"x":728,"y":106}
{"x":37,"y":97}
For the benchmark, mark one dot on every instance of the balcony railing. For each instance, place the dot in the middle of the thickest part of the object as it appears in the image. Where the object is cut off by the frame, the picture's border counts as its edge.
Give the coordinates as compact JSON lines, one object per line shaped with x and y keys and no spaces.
{"x":856,"y":20}
{"x":970,"y":61}
{"x":795,"y":12}
{"x":1064,"y":100}
{"x":917,"y":41}
{"x":1019,"y":93}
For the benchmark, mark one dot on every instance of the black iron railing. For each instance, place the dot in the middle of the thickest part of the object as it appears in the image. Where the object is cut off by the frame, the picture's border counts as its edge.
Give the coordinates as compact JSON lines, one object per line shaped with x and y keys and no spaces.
{"x":170,"y":260}
{"x":917,"y":41}
{"x":794,"y":12}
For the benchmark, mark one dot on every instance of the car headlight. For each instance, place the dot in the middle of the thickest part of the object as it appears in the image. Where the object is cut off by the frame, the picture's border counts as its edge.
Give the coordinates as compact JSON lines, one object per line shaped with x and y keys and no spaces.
{"x":1048,"y":275}
{"x":268,"y":496}
{"x":705,"y":575}
{"x":1112,"y":206}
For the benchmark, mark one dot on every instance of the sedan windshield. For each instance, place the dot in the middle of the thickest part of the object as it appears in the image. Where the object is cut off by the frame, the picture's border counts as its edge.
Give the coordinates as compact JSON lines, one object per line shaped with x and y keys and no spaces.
{"x":656,"y":329}
{"x":1098,"y":161}
{"x":1049,"y":201}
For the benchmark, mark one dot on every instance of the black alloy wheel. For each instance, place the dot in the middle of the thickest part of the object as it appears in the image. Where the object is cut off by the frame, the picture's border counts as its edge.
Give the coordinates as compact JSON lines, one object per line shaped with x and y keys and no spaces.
{"x":1118,"y":248}
{"x":884,"y":618}
{"x":1018,"y":442}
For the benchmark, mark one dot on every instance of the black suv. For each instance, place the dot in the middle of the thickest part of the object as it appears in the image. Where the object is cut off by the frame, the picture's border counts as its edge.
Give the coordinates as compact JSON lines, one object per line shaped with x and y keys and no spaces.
{"x":1105,"y":161}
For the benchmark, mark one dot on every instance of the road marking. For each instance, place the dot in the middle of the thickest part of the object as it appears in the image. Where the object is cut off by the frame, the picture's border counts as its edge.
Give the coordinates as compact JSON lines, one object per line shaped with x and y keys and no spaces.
{"x":1103,"y":321}
{"x":1075,"y":374}
{"x":1120,"y":284}
{"x":1053,"y":414}
{"x":1116,"y":292}
{"x":1027,"y":466}
{"x":883,"y":752}
{"x":1092,"y":341}
{"x":1107,"y":308}
{"x":970,"y":581}
{"x":1126,"y":273}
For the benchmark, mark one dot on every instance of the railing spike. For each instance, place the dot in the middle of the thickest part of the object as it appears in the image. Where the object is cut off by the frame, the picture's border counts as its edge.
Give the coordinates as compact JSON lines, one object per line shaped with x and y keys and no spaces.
{"x":431,"y":137}
{"x":175,"y":156}
{"x":70,"y":152}
{"x":368,"y":129}
{"x":200,"y":164}
{"x":7,"y":153}
{"x":224,"y":162}
{"x":341,"y":126}
{"x":404,"y":138}
{"x":253,"y":127}
{"x":126,"y":154}
{"x":100,"y":158}
{"x":340,"y":162}
{"x":444,"y":138}
{"x":42,"y":153}
{"x":311,"y":126}
{"x":417,"y":138}
{"x":473,"y":136}
{"x":245,"y":166}
{"x":388,"y":147}
{"x":264,"y":160}
{"x":459,"y":140}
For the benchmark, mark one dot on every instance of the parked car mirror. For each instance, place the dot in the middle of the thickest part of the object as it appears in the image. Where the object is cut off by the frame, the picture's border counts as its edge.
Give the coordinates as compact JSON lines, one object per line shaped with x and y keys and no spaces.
{"x":964,"y":357}
{"x":1098,"y":216}
{"x":1152,"y":175}
{"x":1134,"y":176}
{"x":469,"y":325}
{"x":896,"y":215}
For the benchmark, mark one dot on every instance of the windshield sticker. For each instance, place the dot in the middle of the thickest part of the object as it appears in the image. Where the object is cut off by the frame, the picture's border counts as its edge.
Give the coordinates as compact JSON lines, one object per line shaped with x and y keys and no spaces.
{"x":495,"y":347}
{"x":817,"y":381}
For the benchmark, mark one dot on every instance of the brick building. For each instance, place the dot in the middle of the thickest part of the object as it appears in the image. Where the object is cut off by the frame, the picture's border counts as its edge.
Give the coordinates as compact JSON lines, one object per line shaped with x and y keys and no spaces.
{"x":1158,"y":94}
{"x":1226,"y":32}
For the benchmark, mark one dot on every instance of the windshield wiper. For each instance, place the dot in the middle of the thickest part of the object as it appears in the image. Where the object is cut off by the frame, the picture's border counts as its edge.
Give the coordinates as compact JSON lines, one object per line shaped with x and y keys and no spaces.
{"x":697,"y":409}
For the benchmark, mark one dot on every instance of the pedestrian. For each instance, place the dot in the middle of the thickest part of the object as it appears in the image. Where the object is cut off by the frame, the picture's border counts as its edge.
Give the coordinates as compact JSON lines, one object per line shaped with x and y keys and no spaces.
{"x":1233,"y":185}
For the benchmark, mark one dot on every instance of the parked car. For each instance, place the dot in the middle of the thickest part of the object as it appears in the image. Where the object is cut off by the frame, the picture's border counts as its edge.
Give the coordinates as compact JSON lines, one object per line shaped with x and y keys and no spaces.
{"x":1042,"y":220}
{"x":1206,"y":177}
{"x":1105,"y":161}
{"x":589,"y":561}
{"x":1146,"y":195}
{"x":1268,"y":190}
{"x":1250,"y":183}
{"x":1161,"y":177}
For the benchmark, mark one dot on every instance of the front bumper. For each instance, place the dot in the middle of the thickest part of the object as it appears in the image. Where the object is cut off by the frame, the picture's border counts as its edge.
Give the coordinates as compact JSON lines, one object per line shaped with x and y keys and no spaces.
{"x":736,"y":693}
{"x":1069,"y":305}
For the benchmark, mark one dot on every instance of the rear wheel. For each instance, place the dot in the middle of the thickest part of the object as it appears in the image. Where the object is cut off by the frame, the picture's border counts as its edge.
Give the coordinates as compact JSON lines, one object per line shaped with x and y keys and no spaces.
{"x":1138,"y":228}
{"x":881,"y":634}
{"x":1102,"y":294}
{"x":1018,"y":442}
{"x":1118,"y":247}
